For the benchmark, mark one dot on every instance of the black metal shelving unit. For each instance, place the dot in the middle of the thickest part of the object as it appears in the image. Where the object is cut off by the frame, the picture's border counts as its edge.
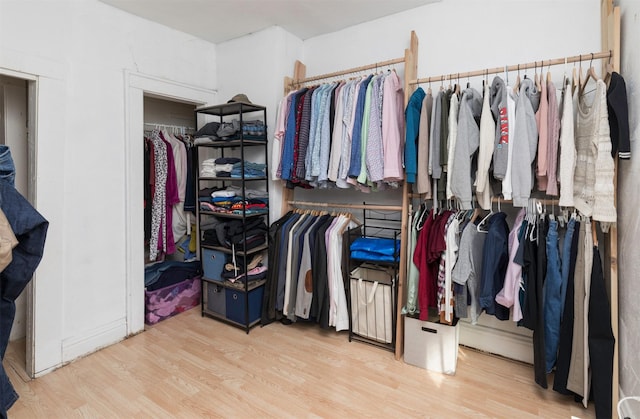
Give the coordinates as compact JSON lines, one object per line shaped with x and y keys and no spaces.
{"x":245,"y":291}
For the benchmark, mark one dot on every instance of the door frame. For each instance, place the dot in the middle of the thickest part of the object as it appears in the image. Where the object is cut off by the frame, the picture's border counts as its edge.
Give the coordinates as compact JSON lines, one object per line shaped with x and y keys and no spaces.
{"x":137,"y":85}
{"x":32,"y":113}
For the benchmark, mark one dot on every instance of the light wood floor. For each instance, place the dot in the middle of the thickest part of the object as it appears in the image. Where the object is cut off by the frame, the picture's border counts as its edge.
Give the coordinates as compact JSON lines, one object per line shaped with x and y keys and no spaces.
{"x":193,"y":367}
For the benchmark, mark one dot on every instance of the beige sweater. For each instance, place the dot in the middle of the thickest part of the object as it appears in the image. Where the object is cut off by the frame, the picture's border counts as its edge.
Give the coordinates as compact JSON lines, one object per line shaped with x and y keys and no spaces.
{"x":593,"y":179}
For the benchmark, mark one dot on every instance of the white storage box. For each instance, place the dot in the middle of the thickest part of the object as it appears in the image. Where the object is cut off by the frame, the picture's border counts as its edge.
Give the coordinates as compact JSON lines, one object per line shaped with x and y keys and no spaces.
{"x":432,"y":346}
{"x":372,"y":304}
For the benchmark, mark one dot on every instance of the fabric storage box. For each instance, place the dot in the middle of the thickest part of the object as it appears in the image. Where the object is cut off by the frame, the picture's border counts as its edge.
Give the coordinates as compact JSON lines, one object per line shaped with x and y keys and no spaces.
{"x":372,"y":304}
{"x":432,"y":346}
{"x":213,"y":264}
{"x":216,"y":300}
{"x":235,"y":301}
{"x":171,"y":300}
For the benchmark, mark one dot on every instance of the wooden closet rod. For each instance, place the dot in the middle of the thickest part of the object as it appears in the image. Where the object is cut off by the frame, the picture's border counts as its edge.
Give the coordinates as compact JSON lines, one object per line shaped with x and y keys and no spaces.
{"x":349,"y":206}
{"x":349,"y":71}
{"x":515,"y":67}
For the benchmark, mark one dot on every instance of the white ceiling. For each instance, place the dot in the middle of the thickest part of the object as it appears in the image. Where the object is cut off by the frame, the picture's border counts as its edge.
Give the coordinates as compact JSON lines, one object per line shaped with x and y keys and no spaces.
{"x":221,"y":20}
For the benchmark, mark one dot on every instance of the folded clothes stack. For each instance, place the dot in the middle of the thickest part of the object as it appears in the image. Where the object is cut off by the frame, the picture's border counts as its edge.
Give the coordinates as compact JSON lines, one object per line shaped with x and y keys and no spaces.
{"x":251,"y":170}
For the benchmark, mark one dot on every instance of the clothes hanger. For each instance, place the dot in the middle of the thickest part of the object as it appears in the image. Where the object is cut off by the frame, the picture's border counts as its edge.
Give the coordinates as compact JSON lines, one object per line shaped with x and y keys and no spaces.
{"x":484,"y":220}
{"x":608,"y":70}
{"x":591,"y":74}
{"x":516,"y":86}
{"x":575,"y":77}
{"x":549,"y":78}
{"x":536,"y":78}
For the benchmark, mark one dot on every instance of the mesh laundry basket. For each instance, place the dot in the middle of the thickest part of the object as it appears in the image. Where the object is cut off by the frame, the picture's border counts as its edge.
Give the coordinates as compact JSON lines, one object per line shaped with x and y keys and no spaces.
{"x":629,"y":407}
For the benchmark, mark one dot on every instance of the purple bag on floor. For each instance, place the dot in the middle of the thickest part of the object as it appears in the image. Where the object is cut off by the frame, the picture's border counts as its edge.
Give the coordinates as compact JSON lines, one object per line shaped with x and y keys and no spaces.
{"x":169,"y":301}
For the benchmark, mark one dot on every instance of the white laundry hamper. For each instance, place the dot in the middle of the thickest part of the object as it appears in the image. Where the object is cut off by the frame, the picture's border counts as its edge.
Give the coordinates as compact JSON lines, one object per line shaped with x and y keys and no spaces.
{"x":629,"y":407}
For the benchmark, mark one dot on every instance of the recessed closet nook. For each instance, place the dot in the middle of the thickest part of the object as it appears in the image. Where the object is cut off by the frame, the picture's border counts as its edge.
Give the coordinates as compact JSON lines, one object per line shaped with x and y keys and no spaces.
{"x":426,"y":211}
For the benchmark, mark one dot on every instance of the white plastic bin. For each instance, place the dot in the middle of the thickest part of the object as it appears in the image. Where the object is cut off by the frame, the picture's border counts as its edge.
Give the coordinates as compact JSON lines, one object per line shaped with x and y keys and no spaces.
{"x":432,"y":346}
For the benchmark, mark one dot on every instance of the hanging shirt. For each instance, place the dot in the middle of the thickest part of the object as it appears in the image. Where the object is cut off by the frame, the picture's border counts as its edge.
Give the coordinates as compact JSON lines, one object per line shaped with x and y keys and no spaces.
{"x":508,"y":295}
{"x":485,"y":151}
{"x":451,"y":140}
{"x":393,"y":127}
{"x":467,"y":142}
{"x":468,"y":268}
{"x":542,"y":121}
{"x":495,"y":258}
{"x":337,"y":134}
{"x":412,"y":116}
{"x":356,"y":135}
{"x":423,"y":182}
{"x":618,"y":109}
{"x":567,"y":149}
{"x":525,"y":135}
{"x":375,"y":150}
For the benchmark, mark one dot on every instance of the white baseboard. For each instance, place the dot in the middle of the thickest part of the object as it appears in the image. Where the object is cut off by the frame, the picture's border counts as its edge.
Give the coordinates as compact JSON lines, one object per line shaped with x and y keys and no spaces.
{"x":94,"y":339}
{"x":495,"y":341}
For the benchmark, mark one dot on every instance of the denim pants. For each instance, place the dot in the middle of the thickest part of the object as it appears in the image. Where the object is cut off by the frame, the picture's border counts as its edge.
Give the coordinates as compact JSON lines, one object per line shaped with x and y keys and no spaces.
{"x":31,"y":230}
{"x":552,"y":299}
{"x":7,"y":168}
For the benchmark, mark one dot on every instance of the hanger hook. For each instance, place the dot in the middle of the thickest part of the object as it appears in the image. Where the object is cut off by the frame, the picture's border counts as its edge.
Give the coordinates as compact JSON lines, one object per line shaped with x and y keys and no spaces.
{"x":591,"y":63}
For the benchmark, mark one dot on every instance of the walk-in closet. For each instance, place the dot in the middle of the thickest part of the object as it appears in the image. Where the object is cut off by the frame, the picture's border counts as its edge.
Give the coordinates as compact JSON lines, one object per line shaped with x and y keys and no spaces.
{"x":257,"y":208}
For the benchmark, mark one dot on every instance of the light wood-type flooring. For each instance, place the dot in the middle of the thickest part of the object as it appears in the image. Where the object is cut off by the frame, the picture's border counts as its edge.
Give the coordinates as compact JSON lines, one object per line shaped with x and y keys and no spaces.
{"x":194,"y":367}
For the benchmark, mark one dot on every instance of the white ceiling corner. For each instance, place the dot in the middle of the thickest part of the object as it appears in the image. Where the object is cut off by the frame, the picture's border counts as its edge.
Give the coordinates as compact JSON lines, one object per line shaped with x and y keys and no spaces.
{"x":222,"y":20}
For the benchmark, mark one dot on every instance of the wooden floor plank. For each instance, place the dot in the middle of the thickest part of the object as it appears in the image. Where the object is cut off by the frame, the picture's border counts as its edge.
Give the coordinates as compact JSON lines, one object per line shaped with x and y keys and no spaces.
{"x":192,"y":367}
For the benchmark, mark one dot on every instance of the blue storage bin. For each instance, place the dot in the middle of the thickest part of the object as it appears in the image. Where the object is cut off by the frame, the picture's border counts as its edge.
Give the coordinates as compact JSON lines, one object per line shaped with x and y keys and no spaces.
{"x":235,"y":304}
{"x":213,"y":264}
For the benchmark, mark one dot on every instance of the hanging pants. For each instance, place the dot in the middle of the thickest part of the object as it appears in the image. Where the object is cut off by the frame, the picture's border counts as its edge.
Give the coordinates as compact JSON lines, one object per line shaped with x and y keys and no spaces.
{"x":601,"y":340}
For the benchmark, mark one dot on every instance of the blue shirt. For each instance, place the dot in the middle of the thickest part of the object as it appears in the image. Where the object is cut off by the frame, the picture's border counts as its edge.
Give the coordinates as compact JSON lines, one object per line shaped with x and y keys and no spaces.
{"x":356,"y":140}
{"x":412,"y":116}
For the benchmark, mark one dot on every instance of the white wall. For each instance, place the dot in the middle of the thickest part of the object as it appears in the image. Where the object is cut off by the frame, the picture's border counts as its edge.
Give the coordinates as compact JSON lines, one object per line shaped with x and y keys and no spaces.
{"x":256,"y":65}
{"x":629,"y":211}
{"x":80,"y":50}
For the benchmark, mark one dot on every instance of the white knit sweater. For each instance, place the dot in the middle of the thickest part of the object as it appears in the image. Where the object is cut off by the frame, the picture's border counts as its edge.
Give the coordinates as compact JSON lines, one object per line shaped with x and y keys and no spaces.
{"x":593,"y":179}
{"x":567,"y":150}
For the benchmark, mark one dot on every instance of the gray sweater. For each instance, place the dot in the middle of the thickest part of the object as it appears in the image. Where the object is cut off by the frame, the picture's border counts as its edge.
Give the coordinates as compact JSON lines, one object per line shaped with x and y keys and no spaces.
{"x":467,"y":142}
{"x":525,"y":142}
{"x":498,"y":101}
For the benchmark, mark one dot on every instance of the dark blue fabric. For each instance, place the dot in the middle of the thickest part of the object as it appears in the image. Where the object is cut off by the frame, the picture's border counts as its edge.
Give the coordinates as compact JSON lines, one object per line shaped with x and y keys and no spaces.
{"x":30,"y":228}
{"x":566,"y":259}
{"x":552,"y":300}
{"x":287,"y":159}
{"x":356,"y":135}
{"x":7,"y":167}
{"x":412,"y":116}
{"x":495,"y":257}
{"x":153,"y":273}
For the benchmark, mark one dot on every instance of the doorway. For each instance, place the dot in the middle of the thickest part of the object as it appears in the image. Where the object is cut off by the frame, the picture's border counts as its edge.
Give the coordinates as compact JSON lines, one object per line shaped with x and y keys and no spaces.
{"x":17,"y":122}
{"x":142,"y":88}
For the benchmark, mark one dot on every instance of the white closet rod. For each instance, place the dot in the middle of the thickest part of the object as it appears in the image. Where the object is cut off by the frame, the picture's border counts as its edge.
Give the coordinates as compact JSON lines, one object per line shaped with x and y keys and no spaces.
{"x":515,"y":67}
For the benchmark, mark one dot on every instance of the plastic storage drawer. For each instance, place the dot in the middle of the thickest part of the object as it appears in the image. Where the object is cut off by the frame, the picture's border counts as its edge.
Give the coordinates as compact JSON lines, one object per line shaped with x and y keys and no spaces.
{"x":235,"y":304}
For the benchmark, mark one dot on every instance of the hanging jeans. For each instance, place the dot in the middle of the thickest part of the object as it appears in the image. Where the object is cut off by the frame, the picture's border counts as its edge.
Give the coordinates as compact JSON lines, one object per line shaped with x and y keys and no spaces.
{"x":601,"y":340}
{"x":7,"y":168}
{"x":566,"y":326}
{"x":552,"y":299}
{"x":30,"y":228}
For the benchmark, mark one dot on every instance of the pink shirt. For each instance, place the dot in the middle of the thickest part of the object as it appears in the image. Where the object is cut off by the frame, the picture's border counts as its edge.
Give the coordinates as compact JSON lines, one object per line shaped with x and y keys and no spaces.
{"x":392,"y":127}
{"x":508,"y":295}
